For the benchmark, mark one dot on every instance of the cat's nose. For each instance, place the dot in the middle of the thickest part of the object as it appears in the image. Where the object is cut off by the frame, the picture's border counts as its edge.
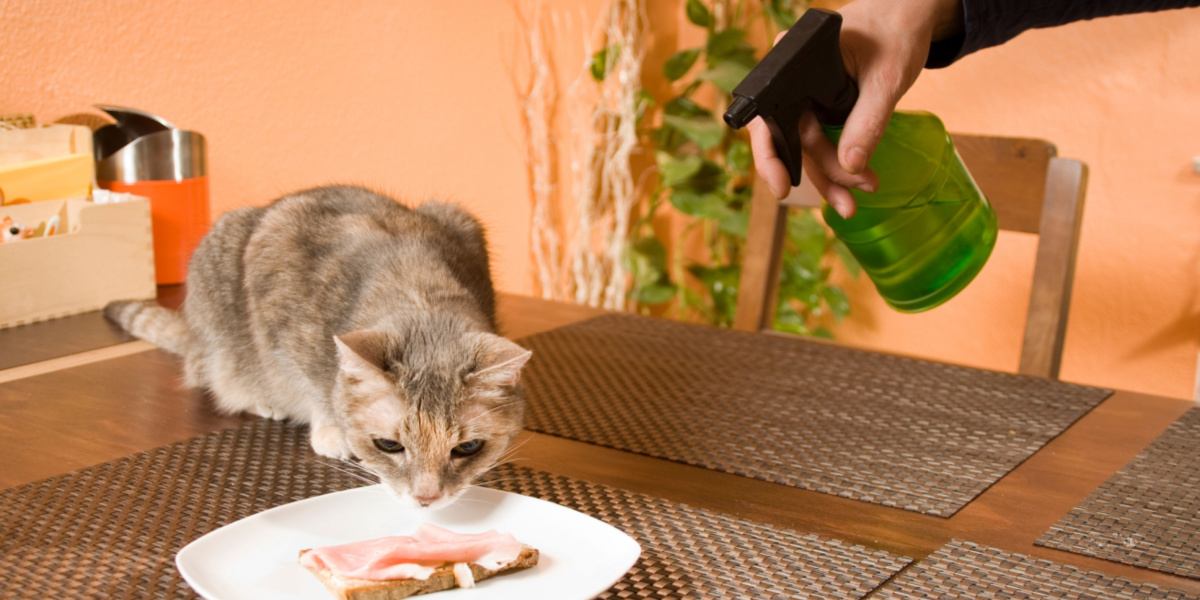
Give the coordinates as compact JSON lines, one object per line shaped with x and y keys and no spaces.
{"x":426,"y":500}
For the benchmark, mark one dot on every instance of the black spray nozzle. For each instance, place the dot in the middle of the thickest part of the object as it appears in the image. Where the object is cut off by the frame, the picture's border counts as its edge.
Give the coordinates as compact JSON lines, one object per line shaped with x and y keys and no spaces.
{"x":740,"y":112}
{"x":803,"y":72}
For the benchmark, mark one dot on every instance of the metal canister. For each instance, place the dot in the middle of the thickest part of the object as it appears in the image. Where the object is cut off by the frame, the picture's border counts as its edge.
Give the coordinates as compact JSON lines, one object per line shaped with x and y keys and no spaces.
{"x":146,"y":155}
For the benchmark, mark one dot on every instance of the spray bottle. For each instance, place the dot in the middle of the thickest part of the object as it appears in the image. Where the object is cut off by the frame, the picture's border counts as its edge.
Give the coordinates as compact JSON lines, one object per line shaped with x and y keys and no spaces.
{"x":928,"y":230}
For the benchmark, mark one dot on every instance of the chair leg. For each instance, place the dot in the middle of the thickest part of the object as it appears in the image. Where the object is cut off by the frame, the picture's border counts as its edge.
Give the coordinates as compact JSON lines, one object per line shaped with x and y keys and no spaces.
{"x":760,"y":266}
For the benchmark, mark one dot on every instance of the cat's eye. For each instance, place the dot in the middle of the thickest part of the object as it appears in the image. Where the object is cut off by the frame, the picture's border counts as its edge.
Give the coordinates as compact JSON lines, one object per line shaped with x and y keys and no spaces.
{"x":388,"y":446}
{"x":467,"y":449}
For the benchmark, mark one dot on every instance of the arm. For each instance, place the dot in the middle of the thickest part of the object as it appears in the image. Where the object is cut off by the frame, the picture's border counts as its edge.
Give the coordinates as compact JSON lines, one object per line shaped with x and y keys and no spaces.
{"x":885,"y":44}
{"x":987,"y":23}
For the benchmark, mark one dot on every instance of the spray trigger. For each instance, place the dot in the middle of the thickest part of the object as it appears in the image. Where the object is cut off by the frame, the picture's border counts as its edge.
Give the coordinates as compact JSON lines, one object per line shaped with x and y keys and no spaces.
{"x":804,"y":71}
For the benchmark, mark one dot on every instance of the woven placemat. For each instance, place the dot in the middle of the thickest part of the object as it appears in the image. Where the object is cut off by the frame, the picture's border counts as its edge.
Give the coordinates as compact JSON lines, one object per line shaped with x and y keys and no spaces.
{"x":894,"y":431}
{"x":689,"y":552}
{"x":1148,"y":513}
{"x":112,"y":531}
{"x":968,"y":570}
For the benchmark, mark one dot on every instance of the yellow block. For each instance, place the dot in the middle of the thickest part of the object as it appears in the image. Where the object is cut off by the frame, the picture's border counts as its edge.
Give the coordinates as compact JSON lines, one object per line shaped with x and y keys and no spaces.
{"x":58,"y":178}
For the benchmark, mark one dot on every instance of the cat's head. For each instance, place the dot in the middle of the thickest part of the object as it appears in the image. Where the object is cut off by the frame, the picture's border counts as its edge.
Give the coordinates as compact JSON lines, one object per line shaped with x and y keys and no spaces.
{"x":429,"y":412}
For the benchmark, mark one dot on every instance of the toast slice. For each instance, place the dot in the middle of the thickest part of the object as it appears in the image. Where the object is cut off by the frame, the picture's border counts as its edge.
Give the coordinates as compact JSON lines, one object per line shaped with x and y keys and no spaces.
{"x":443,"y":578}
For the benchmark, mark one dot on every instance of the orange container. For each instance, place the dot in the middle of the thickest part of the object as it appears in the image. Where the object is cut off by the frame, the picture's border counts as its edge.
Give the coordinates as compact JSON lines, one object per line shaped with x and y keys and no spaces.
{"x":146,"y":155}
{"x":179,"y":217}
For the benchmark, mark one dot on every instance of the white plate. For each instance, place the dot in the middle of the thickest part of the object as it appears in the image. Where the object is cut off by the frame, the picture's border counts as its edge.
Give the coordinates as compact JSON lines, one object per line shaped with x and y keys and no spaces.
{"x":256,"y":557}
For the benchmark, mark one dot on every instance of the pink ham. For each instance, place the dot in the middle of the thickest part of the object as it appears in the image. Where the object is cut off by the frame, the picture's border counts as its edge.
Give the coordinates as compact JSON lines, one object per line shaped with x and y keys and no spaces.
{"x":415,"y":556}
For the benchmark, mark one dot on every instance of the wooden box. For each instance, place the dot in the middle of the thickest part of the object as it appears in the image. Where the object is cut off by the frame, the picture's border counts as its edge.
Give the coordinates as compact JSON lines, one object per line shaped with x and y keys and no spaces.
{"x":46,"y":163}
{"x":107,"y":254}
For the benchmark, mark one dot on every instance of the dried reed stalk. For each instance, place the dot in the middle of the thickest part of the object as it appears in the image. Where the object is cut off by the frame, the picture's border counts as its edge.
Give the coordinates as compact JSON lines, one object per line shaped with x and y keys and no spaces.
{"x":601,"y":136}
{"x":538,"y":101}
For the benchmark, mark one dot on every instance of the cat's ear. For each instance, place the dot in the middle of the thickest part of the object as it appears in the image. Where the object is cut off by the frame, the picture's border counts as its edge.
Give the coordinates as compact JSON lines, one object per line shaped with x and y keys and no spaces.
{"x":498,"y":361}
{"x":361,"y":356}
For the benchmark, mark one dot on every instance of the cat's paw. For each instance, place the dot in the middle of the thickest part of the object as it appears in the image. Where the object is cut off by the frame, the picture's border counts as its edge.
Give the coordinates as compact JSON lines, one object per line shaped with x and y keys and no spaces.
{"x":267,"y":412}
{"x":328,"y":441}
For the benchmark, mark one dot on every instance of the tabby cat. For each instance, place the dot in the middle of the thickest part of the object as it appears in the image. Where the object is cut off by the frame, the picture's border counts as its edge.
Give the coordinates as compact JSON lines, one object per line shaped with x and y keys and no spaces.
{"x":372,"y":322}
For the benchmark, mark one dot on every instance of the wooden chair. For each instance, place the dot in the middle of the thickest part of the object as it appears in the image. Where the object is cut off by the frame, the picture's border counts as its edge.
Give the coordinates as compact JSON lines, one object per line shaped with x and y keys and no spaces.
{"x":1031,"y":189}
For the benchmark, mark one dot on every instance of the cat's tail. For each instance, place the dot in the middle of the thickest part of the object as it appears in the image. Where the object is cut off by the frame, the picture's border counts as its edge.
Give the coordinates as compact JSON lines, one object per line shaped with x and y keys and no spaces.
{"x":160,"y":326}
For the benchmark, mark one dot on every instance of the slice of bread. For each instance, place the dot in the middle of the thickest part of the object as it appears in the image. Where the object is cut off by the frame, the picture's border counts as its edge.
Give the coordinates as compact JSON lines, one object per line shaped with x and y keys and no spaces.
{"x":345,"y":588}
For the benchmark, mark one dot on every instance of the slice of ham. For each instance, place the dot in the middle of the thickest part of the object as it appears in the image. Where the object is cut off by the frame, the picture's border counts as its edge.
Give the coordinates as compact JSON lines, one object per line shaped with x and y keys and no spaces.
{"x":415,"y":556}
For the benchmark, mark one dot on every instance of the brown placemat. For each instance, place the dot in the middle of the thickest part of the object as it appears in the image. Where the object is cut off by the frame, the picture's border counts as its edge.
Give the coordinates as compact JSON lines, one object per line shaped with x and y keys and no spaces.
{"x":968,"y":570}
{"x":112,"y":531}
{"x":895,"y":431}
{"x":690,"y":552}
{"x":1148,"y":513}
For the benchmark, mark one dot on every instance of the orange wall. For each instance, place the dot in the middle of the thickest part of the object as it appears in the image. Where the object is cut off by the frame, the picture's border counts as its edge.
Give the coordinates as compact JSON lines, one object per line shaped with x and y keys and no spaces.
{"x":411,"y":97}
{"x":416,"y":98}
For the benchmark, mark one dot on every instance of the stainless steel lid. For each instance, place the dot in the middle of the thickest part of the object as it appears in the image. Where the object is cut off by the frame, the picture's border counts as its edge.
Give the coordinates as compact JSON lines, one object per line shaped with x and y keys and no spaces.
{"x":145,"y":147}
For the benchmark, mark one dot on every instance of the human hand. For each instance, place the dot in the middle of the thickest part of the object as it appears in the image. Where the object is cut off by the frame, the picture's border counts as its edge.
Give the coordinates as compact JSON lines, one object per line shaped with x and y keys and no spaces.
{"x":884,"y":46}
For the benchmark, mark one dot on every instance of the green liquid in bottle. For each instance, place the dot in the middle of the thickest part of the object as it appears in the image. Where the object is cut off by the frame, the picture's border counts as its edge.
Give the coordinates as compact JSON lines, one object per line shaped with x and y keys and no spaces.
{"x":925,"y":234}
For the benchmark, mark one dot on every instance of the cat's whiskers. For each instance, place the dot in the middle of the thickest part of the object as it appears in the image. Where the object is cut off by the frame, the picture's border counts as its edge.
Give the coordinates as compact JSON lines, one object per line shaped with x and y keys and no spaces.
{"x":508,"y":461}
{"x":511,"y":450}
{"x":359,"y":475}
{"x":356,"y":465}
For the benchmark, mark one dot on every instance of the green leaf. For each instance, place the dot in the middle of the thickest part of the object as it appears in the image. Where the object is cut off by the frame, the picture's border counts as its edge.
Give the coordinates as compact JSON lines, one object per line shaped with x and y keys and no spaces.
{"x":643,"y":103}
{"x":739,"y":157}
{"x":599,"y":66}
{"x":705,"y":132}
{"x":787,"y":319}
{"x":652,"y":249}
{"x":647,"y":263}
{"x":691,"y":88}
{"x":710,"y":205}
{"x":675,"y":171}
{"x":722,"y":285}
{"x":782,"y":12}
{"x":729,"y":46}
{"x":735,"y":223}
{"x":666,"y":138}
{"x":798,"y":270}
{"x":698,"y":13}
{"x":679,"y":63}
{"x":726,"y":75}
{"x":838,"y":303}
{"x":823,"y":332}
{"x":806,"y":237}
{"x":725,"y":42}
{"x":691,"y":299}
{"x":682,"y":106}
{"x":691,"y":173}
{"x":655,"y":294}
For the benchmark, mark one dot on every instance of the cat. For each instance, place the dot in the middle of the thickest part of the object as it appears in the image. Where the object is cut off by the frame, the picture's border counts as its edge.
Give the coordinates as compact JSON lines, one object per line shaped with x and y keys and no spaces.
{"x":372,"y":322}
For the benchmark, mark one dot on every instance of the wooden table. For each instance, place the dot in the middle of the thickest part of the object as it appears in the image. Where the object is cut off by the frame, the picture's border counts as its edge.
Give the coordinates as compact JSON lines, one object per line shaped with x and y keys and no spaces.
{"x":60,"y":415}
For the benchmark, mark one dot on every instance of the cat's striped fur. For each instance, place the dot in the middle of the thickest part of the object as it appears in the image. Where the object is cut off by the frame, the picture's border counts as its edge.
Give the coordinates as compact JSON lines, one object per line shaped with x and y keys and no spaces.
{"x":341,"y":308}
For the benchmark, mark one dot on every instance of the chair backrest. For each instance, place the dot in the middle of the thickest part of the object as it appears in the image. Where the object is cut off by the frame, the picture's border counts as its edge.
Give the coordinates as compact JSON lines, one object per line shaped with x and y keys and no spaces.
{"x":1032,"y":191}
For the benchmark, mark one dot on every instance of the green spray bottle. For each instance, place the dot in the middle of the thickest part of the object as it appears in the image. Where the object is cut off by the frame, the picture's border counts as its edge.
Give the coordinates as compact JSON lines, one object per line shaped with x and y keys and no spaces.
{"x":928,"y":230}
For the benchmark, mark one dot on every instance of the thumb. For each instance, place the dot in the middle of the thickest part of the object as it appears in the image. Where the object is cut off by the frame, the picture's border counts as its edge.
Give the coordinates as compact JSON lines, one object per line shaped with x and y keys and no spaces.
{"x":865,"y":125}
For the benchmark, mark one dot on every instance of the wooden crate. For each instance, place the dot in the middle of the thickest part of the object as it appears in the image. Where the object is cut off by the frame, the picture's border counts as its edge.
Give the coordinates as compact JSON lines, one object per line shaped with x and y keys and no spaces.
{"x":107,"y":254}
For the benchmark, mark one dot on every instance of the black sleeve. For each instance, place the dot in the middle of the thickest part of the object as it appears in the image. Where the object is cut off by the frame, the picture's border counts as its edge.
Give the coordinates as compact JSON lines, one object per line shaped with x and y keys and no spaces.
{"x":988,"y":23}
